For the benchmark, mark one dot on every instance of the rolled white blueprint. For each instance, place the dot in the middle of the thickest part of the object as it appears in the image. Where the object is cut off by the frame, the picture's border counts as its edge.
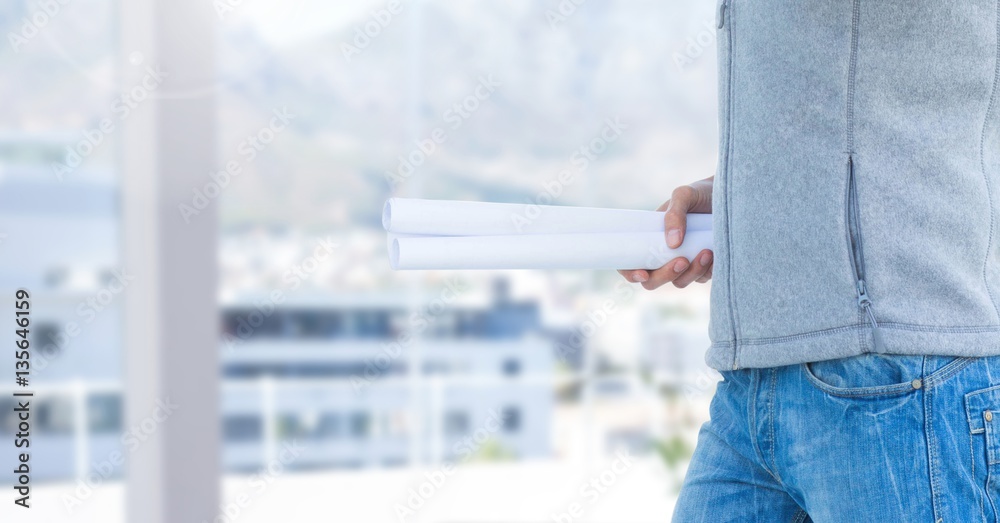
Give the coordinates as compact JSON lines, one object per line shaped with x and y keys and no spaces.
{"x":622,"y":250}
{"x":456,"y":218}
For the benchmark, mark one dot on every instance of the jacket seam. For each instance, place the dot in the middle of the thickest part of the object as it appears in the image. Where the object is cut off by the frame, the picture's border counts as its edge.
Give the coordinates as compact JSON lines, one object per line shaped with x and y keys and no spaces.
{"x":982,"y":160}
{"x":852,"y":74}
{"x":862,"y":325}
{"x":957,"y":329}
{"x":731,"y":102}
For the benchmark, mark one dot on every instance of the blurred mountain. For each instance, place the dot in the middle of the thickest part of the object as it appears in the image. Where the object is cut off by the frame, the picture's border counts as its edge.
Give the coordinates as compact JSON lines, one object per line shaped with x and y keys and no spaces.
{"x":560,"y":81}
{"x":354,"y":118}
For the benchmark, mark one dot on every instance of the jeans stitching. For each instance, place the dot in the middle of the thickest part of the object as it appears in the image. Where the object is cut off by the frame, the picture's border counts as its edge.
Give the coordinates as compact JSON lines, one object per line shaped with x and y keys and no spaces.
{"x":947,"y":372}
{"x":931,"y":442}
{"x":989,"y":473}
{"x":755,"y":378}
{"x":857,"y":392}
{"x":986,"y":490}
{"x":752,"y":411}
{"x":969,"y":397}
{"x":972,"y":461}
{"x":771,"y":400}
{"x":934,"y":379}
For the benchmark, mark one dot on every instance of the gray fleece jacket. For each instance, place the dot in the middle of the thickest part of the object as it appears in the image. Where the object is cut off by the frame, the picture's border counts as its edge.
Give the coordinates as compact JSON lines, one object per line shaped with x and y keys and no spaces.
{"x":857,"y":196}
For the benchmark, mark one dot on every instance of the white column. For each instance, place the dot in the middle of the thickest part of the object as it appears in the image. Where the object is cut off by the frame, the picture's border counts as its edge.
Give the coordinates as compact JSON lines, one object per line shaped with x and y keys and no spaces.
{"x":167,"y":146}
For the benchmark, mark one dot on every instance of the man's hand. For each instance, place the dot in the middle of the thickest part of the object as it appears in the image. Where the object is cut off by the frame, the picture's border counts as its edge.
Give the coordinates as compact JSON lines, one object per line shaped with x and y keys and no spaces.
{"x":694,"y":198}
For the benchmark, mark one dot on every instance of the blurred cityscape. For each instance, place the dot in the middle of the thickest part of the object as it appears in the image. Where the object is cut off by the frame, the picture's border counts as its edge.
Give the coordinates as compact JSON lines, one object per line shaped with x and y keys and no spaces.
{"x":521,"y":378}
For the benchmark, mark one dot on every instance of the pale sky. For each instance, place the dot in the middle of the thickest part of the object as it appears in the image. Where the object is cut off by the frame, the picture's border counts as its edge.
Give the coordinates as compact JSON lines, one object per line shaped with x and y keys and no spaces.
{"x":284,"y":22}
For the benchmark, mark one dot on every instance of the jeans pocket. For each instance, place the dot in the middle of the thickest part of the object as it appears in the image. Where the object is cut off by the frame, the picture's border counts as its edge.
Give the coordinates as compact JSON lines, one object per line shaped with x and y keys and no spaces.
{"x":982,"y":409}
{"x":876,"y":375}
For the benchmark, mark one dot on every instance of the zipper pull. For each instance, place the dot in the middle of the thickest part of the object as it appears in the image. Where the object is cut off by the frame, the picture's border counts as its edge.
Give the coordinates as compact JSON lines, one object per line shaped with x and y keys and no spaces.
{"x":863,"y":300}
{"x":865,"y":303}
{"x":876,"y":331}
{"x":722,"y":13}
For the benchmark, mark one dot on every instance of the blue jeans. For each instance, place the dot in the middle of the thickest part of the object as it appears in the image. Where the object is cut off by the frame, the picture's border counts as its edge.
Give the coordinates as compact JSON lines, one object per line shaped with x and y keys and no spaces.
{"x":867,"y":438}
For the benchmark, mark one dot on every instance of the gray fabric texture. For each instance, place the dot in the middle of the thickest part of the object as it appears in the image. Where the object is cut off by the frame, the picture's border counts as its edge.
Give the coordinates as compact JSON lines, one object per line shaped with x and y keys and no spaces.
{"x":898,"y":98}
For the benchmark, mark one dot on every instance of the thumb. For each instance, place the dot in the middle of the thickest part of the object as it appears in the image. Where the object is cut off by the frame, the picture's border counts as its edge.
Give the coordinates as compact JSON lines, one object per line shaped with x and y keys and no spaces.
{"x":675,"y":219}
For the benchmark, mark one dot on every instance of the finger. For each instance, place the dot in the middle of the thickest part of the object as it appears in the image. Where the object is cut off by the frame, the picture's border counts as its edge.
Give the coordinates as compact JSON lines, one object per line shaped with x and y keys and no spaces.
{"x":708,"y":274}
{"x":675,"y":220}
{"x":666,"y":274}
{"x":697,"y":269}
{"x":635,"y":276}
{"x":711,"y":269}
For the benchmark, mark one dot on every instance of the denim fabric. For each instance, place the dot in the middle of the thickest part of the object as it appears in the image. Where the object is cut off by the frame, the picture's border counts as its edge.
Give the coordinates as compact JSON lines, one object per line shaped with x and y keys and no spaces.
{"x":867,"y":438}
{"x":857,"y":196}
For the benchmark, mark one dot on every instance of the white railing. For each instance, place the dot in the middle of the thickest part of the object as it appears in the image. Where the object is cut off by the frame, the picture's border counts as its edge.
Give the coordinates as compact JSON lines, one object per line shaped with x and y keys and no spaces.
{"x":77,"y":392}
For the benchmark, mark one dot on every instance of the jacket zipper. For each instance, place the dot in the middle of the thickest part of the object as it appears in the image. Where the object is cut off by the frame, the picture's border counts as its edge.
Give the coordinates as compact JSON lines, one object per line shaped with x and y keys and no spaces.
{"x":856,"y":244}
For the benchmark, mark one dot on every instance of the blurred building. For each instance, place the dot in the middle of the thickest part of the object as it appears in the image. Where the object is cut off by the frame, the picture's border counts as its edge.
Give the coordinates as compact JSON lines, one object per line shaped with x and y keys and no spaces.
{"x":65,"y":252}
{"x":672,"y":350}
{"x":364,"y":380}
{"x":358,"y":380}
{"x":293,"y":376}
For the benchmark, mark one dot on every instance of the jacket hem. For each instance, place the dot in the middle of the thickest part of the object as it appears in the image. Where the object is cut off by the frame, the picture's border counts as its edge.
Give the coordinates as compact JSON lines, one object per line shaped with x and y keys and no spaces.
{"x":843,"y":342}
